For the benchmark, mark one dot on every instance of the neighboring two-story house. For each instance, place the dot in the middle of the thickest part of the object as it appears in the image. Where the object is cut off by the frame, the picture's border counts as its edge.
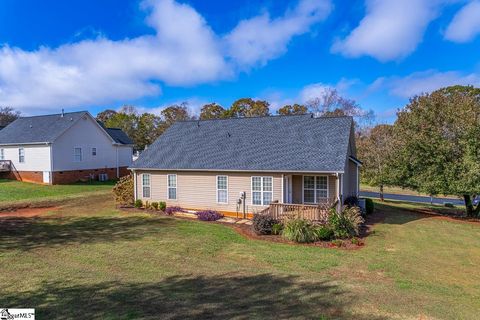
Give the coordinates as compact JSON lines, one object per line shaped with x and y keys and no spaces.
{"x":63,"y":148}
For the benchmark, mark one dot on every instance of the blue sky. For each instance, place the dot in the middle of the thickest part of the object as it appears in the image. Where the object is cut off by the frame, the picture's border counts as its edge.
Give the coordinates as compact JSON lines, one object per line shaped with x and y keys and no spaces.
{"x":97,"y":54}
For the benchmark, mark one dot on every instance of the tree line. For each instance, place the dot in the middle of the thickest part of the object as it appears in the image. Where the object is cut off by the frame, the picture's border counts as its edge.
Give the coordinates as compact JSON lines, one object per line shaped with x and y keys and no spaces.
{"x":145,"y":128}
{"x":433,"y":147}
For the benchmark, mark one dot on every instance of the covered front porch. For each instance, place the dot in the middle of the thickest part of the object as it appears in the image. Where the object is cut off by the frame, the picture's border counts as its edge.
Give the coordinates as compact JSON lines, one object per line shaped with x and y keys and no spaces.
{"x":311,"y":189}
{"x":307,"y":196}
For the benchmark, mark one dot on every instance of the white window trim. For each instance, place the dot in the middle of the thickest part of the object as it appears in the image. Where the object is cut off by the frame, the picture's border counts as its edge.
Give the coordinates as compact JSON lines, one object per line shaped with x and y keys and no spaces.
{"x":81,"y":154}
{"x":149,"y":185}
{"x":20,"y":161}
{"x":315,"y":190}
{"x":251,"y":191}
{"x":176,"y":187}
{"x":96,"y":150}
{"x":216,"y":182}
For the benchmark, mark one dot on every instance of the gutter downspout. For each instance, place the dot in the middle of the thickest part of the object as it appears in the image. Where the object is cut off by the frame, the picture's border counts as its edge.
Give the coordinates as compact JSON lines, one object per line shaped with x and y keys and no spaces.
{"x":116,"y":160}
{"x":339,"y":191}
{"x":51,"y":163}
{"x":358,"y":182}
{"x":134,"y":185}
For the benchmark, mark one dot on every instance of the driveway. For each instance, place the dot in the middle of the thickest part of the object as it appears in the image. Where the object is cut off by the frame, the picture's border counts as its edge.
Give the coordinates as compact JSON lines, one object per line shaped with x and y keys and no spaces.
{"x":409,"y":198}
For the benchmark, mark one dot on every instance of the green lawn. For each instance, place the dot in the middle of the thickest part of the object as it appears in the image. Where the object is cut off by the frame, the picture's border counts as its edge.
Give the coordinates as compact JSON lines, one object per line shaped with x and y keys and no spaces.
{"x":12,"y":191}
{"x":88,"y":260}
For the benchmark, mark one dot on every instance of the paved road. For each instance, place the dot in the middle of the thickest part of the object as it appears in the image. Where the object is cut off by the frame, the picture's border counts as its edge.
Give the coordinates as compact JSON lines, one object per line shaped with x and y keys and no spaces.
{"x":403,"y":197}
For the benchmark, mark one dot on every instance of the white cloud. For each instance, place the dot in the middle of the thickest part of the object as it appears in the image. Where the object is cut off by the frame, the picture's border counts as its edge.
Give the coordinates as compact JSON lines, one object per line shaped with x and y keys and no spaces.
{"x":261,"y":38}
{"x":390,"y":30}
{"x":426,"y":81}
{"x":465,"y":25}
{"x":183,"y":51}
{"x":101,"y":70}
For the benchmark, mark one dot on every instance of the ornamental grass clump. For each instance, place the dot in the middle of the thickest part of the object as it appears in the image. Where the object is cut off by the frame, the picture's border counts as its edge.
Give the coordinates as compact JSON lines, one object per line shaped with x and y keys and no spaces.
{"x":345,"y":224}
{"x":209,"y":215}
{"x":299,"y":230}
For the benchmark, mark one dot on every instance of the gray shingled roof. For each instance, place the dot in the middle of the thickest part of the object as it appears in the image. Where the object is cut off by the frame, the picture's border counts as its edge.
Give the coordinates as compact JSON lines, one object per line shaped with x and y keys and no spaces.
{"x":276,"y":143}
{"x":45,"y":129}
{"x":119,"y":136}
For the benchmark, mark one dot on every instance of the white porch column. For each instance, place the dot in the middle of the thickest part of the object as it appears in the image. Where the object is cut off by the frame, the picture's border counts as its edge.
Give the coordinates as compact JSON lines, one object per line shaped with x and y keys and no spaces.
{"x":283,"y":189}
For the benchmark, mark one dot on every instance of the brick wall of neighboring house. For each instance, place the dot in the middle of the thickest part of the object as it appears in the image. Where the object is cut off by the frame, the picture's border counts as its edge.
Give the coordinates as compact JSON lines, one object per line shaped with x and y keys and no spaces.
{"x":63,"y":177}
{"x":27,"y":176}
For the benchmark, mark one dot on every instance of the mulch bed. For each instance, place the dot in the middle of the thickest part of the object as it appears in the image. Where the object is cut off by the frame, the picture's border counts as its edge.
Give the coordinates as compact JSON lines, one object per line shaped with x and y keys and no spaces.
{"x":247,"y":232}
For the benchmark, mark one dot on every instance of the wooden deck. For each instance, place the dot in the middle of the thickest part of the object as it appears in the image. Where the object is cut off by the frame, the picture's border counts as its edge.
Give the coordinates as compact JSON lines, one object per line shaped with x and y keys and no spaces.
{"x":314,"y":212}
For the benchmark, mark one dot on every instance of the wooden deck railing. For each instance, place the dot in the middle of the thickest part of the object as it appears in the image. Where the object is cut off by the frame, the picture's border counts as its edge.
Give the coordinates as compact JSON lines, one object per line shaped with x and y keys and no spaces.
{"x":317,"y":212}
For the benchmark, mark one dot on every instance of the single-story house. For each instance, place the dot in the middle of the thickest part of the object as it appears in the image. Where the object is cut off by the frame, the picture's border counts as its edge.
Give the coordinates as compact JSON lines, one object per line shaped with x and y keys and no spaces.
{"x":63,"y":148}
{"x":225,"y":164}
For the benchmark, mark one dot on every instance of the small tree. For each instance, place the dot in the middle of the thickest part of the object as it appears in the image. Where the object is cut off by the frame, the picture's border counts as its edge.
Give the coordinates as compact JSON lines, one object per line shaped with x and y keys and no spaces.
{"x":124,"y":191}
{"x":374,"y":149}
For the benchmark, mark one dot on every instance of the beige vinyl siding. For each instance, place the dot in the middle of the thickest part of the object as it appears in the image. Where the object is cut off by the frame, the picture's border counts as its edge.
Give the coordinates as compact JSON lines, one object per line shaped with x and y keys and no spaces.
{"x":198,"y":190}
{"x":350,"y":179}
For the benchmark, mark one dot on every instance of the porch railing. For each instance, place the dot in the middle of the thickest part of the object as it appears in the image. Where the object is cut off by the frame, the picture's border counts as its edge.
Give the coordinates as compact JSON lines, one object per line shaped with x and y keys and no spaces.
{"x":5,"y":165}
{"x":313,"y":212}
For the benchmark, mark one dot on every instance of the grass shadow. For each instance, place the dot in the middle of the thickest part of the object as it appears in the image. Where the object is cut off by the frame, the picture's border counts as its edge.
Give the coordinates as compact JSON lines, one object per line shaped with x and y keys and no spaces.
{"x":37,"y":232}
{"x":262,"y":296}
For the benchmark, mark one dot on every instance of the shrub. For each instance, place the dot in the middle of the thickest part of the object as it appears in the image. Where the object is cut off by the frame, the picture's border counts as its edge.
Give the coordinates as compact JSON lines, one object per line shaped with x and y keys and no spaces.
{"x":146,"y":205}
{"x":171,"y":210}
{"x":345,"y":224}
{"x":369,"y":206}
{"x":162,"y":205}
{"x":299,"y":230}
{"x":263,"y":224}
{"x":351,"y":201}
{"x":324,"y":233}
{"x":209,"y":215}
{"x":123,"y":191}
{"x":138,"y":203}
{"x":449,"y":205}
{"x":154,"y":205}
{"x":277,"y":228}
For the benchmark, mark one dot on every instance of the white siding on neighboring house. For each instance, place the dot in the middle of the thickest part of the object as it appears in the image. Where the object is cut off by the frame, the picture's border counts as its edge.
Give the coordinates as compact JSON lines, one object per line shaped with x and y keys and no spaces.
{"x":36,"y":157}
{"x":125,"y":156}
{"x":86,"y":134}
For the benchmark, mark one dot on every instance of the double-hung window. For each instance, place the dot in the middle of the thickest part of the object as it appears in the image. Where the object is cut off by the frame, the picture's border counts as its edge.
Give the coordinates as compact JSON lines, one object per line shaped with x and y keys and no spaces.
{"x":21,"y":155}
{"x":94,"y":152}
{"x":172,"y":186}
{"x":315,"y":189}
{"x":2,"y":154}
{"x":222,"y":189}
{"x":77,"y":154}
{"x":262,"y":191}
{"x":146,"y":185}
